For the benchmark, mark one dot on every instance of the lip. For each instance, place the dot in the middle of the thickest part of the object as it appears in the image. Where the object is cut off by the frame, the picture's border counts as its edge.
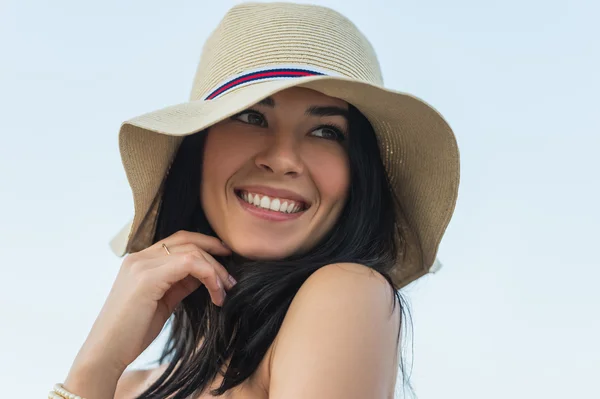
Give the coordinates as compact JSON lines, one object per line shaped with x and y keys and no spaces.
{"x":267,"y":213}
{"x":276,"y":193}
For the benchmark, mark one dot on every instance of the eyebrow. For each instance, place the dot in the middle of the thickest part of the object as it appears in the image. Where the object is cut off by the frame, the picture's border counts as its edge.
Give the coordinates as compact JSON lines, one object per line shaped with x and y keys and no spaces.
{"x":269,"y":102}
{"x":313,"y":110}
{"x":328,"y":111}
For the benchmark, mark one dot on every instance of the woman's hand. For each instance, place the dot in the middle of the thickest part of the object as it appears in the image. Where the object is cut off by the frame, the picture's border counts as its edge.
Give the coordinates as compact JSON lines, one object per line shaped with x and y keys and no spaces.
{"x":147,"y":289}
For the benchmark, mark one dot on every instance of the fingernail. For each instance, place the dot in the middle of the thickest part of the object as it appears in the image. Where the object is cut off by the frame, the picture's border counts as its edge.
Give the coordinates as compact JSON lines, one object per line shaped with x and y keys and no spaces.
{"x":232,"y":280}
{"x":225,"y":245}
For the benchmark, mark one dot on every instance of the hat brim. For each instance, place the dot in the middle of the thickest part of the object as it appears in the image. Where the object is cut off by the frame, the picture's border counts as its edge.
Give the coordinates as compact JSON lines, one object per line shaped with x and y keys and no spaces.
{"x":418,"y":149}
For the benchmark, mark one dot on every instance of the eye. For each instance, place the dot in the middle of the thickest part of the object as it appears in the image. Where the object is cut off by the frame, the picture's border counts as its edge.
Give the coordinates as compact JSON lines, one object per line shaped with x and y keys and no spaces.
{"x":251,"y":117}
{"x":329,"y":132}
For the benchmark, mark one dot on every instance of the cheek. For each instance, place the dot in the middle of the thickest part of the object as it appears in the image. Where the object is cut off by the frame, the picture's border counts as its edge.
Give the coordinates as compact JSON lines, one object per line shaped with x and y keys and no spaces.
{"x":224,"y":155}
{"x":330,"y":171}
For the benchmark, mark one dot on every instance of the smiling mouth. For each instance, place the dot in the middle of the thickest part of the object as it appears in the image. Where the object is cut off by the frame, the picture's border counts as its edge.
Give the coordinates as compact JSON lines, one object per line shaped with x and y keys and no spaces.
{"x":281,"y":205}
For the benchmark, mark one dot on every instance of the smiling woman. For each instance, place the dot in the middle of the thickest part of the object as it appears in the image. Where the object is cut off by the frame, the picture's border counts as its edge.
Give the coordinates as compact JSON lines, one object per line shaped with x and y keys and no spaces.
{"x":277,"y":214}
{"x":286,"y":151}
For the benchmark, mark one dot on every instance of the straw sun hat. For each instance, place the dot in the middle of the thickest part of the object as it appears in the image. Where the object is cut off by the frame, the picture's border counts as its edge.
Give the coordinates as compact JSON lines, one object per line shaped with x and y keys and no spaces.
{"x":259,"y":49}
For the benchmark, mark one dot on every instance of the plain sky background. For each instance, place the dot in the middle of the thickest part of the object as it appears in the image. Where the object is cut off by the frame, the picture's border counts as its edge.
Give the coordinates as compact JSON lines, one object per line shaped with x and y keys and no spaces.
{"x":514,"y":313}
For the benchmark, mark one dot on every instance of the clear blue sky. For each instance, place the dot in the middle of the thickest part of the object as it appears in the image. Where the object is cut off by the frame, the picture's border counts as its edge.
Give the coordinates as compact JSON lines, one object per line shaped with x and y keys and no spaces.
{"x":513,"y":313}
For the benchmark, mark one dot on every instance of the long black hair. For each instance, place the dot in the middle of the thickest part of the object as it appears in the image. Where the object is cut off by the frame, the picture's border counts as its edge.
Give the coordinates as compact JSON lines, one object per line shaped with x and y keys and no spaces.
{"x":203,"y":336}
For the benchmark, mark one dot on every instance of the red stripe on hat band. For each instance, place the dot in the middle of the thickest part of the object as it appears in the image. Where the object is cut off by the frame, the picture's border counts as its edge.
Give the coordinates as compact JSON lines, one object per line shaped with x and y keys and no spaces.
{"x":289,"y":73}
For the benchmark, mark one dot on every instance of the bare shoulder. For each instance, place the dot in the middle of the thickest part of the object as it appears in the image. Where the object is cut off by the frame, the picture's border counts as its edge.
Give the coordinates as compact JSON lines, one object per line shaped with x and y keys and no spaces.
{"x":339,"y":337}
{"x":348,"y":272}
{"x":133,"y":382}
{"x":346,"y":283}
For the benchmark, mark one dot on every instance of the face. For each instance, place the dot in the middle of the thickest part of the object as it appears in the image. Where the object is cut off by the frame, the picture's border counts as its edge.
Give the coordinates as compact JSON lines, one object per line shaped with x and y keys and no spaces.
{"x":275,"y":177}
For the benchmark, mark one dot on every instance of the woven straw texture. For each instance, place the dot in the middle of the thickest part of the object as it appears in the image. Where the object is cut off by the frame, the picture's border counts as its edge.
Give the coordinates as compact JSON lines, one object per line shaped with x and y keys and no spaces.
{"x":417,"y":145}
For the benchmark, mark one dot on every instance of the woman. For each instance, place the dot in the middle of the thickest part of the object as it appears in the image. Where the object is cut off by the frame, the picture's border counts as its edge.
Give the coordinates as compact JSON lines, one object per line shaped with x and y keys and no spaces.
{"x":276,"y":215}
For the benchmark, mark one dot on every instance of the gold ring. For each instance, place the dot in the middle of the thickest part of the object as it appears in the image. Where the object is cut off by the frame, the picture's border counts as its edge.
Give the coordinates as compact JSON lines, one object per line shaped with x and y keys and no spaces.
{"x":166,"y":249}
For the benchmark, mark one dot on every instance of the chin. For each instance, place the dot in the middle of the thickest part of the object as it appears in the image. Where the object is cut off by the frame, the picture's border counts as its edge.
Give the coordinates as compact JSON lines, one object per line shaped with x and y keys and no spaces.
{"x":263,"y":251}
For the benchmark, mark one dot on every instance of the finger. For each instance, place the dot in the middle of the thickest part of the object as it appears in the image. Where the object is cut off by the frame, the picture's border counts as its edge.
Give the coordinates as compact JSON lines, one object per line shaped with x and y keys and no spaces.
{"x":184,"y":288}
{"x":182,"y":265}
{"x":172,"y":273}
{"x":221,"y":270}
{"x":226,"y":277}
{"x":209,"y":244}
{"x":144,"y":263}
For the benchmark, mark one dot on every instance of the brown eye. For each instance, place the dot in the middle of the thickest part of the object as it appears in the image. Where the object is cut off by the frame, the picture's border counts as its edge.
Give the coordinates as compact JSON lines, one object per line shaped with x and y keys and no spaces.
{"x":251,"y":117}
{"x":329,"y":133}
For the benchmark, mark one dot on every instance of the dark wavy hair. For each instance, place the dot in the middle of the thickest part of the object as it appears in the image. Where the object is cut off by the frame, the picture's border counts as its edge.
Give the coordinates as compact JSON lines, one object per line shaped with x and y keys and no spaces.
{"x":203,"y":336}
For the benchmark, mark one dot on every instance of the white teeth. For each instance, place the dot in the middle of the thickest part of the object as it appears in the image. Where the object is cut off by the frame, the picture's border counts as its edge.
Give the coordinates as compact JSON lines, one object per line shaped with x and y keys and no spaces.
{"x":274,"y":204}
{"x":265,"y":202}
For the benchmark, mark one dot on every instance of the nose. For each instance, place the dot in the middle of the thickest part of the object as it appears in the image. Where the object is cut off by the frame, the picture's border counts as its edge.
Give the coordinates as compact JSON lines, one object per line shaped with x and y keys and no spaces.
{"x":281,"y":156}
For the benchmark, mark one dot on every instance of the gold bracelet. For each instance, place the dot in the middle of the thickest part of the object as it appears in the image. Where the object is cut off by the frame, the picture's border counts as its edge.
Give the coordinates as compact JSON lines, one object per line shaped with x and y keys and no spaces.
{"x":60,"y":392}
